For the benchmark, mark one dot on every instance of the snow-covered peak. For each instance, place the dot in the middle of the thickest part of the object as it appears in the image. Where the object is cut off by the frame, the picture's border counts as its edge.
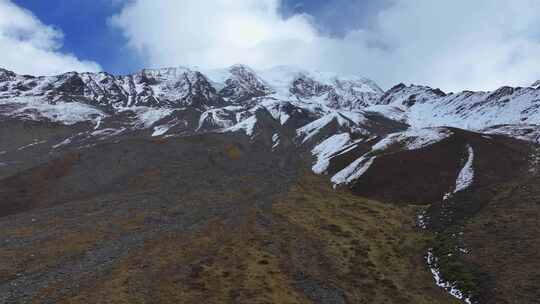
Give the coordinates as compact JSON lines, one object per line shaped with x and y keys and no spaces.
{"x":169,"y":78}
{"x":421,"y":106}
{"x":6,"y":75}
{"x":357,"y":85}
{"x":165,"y":87}
{"x":192,"y":86}
{"x":282,"y":77}
{"x":409,"y":95}
{"x":243,"y":84}
{"x":239,"y":83}
{"x":536,"y":85}
{"x":167,"y":73}
{"x":304,"y":86}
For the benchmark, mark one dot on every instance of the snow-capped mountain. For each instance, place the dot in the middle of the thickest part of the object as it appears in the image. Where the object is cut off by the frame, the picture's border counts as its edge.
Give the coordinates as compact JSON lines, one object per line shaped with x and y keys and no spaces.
{"x":425,"y":107}
{"x":310,"y":108}
{"x":162,"y":134}
{"x":216,"y":99}
{"x":178,"y":88}
{"x":171,"y":87}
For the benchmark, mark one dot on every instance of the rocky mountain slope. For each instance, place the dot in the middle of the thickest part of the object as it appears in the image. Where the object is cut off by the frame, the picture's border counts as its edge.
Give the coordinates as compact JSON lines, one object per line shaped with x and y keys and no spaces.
{"x":176,"y":151}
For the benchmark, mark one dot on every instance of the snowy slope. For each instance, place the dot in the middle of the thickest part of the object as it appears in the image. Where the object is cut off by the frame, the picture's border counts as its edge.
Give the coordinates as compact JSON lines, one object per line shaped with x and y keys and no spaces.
{"x":424,"y":107}
{"x":33,"y":108}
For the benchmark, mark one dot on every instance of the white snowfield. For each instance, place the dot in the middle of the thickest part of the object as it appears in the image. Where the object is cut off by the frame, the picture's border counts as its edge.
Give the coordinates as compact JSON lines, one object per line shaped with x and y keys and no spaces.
{"x":147,"y":116}
{"x":465,"y":110}
{"x":413,"y":139}
{"x":247,"y":125}
{"x":34,"y":108}
{"x":328,"y":148}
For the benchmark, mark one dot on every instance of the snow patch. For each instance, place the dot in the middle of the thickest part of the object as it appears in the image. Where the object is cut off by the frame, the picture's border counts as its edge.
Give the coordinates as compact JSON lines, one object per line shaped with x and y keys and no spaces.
{"x":147,"y":116}
{"x":247,"y":125}
{"x":275,"y":141}
{"x":310,"y":130}
{"x":34,"y":143}
{"x":534,"y":161}
{"x":413,"y":139}
{"x":350,"y":120}
{"x":448,"y":286}
{"x":107,"y":132}
{"x":422,"y":220}
{"x":353,"y":171}
{"x":326,"y":149}
{"x":66,"y":141}
{"x":466,"y":175}
{"x":160,"y":130}
{"x":67,"y":113}
{"x":98,"y":123}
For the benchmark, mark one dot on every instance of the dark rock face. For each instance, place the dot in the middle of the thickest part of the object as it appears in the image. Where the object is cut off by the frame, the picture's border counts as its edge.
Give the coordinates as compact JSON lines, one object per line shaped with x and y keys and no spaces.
{"x":243,"y":85}
{"x":411,"y":94}
{"x":386,"y":97}
{"x":6,"y":75}
{"x":71,"y":84}
{"x":200,"y":92}
{"x":501,"y":93}
{"x":305,"y":87}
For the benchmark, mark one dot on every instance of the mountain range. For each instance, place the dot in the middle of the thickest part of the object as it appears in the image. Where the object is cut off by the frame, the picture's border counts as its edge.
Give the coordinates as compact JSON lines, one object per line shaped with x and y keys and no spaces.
{"x":280,"y":185}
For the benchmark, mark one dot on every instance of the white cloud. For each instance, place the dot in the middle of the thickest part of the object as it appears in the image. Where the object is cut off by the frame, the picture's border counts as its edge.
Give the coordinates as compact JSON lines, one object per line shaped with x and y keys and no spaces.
{"x":214,"y":33}
{"x":28,"y":46}
{"x":458,"y":44}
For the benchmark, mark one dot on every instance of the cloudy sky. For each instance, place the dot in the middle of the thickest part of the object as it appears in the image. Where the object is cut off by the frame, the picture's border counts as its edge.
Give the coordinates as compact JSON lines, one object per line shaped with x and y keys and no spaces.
{"x":454,"y":45}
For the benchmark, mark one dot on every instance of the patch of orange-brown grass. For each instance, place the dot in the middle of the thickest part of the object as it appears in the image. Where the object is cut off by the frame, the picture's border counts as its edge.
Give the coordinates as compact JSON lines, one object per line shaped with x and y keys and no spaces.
{"x":233,"y":152}
{"x":370,"y":250}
